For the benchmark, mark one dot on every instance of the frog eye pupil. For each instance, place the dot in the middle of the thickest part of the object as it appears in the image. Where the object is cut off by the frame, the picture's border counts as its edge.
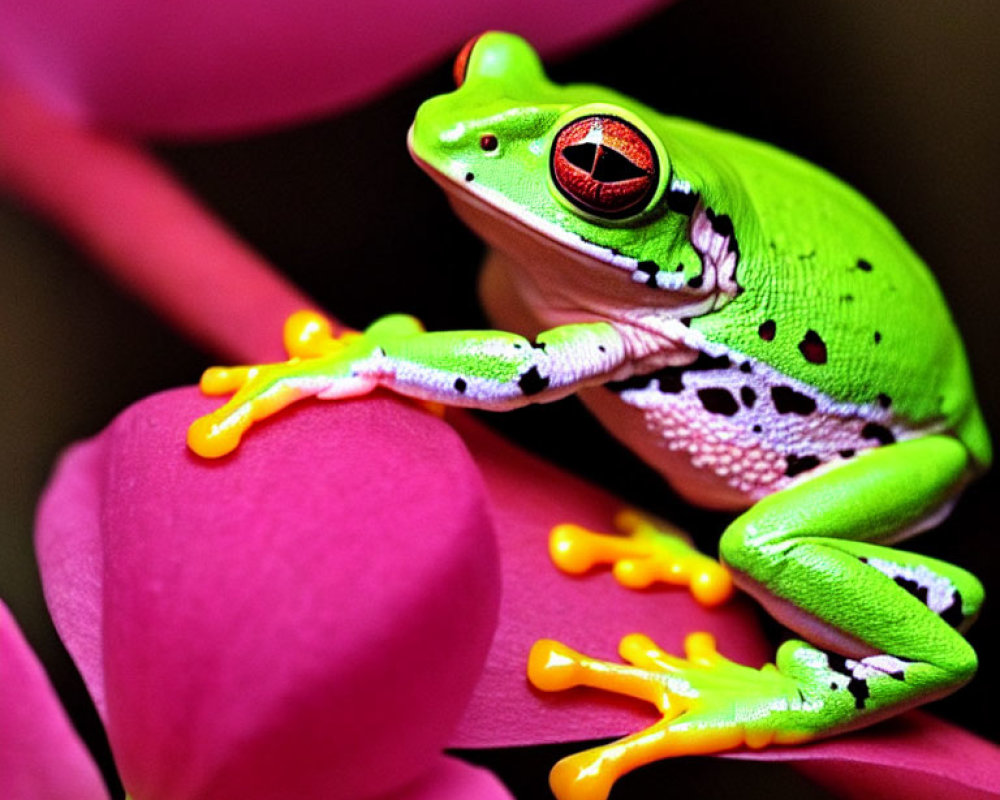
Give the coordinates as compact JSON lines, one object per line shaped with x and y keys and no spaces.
{"x":605,"y":166}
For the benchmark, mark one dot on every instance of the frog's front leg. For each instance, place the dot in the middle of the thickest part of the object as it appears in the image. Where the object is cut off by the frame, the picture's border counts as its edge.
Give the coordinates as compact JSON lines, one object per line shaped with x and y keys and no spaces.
{"x":481,"y":369}
{"x":883,"y":625}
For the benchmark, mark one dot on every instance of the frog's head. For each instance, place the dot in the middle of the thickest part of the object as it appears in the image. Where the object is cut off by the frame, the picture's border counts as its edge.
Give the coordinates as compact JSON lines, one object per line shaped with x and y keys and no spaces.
{"x":528,"y":163}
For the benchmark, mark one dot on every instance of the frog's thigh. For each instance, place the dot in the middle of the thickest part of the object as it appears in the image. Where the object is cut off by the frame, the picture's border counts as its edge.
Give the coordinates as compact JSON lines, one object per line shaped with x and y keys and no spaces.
{"x":808,"y":555}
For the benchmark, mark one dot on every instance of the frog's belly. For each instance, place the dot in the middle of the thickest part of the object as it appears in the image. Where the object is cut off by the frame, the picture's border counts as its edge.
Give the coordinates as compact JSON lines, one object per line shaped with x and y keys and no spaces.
{"x":726,"y":436}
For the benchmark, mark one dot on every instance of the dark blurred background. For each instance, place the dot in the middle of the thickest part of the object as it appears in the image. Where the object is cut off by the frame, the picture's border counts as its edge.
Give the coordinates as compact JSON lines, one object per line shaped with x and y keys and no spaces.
{"x":897,"y":97}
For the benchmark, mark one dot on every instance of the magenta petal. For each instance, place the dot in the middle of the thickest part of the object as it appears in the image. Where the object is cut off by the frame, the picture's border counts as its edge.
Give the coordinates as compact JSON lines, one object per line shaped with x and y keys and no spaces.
{"x":308,"y":614}
{"x":194,"y":67}
{"x":451,"y":779}
{"x":41,"y":757}
{"x":69,"y":549}
{"x":915,"y":756}
{"x":589,"y":613}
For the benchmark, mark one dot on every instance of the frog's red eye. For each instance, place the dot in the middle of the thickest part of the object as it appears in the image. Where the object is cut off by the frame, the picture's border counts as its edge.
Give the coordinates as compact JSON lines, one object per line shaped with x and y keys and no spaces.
{"x":605,"y":166}
{"x":461,"y":65}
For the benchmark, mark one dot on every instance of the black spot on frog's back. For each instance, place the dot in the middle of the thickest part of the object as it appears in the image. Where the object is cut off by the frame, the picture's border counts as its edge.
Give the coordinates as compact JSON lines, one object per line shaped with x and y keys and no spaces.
{"x":813,"y":348}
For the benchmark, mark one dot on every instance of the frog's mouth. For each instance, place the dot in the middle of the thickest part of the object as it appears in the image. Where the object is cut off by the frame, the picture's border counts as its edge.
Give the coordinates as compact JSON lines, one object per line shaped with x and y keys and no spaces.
{"x":711,"y":236}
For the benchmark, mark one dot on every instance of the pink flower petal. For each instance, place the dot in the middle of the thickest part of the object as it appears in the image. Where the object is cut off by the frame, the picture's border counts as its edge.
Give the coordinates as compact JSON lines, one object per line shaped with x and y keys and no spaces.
{"x":915,"y":756}
{"x":41,"y":757}
{"x":310,"y":613}
{"x":589,"y":613}
{"x":193,"y":68}
{"x":70,"y":558}
{"x":452,"y":779}
{"x":145,"y":229}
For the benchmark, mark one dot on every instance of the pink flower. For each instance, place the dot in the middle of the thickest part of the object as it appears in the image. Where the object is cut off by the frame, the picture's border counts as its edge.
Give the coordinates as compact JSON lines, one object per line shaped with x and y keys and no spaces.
{"x":316,"y":615}
{"x":307,"y":620}
{"x":204,"y":68}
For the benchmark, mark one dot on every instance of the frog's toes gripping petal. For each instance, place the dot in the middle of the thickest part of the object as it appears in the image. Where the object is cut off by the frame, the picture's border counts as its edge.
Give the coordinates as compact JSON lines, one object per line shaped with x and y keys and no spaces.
{"x":644,"y":555}
{"x":319,"y":365}
{"x":709,"y":704}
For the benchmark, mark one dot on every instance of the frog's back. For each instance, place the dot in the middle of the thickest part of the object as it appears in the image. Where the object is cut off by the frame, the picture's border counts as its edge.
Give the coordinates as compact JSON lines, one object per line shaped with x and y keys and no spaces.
{"x":831,"y":295}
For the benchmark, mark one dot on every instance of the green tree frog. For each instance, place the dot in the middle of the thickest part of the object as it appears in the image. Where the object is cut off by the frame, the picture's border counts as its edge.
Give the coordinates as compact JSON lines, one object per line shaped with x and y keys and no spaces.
{"x":745,"y":323}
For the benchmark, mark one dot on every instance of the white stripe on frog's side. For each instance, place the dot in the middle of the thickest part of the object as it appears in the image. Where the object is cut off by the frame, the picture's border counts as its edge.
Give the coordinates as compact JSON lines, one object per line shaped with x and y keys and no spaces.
{"x":940,"y":592}
{"x":753,"y":428}
{"x":875,"y":666}
{"x":719,"y":254}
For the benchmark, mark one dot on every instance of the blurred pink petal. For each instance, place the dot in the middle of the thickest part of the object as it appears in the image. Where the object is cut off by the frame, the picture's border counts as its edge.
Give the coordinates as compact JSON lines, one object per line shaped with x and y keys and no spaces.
{"x":190,"y":67}
{"x":452,"y":779}
{"x":311,"y":613}
{"x":145,"y":229}
{"x":41,"y":757}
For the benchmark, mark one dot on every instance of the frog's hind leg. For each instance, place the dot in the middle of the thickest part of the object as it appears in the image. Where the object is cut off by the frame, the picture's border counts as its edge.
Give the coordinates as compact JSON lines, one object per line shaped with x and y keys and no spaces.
{"x":890,"y":618}
{"x":882,"y":623}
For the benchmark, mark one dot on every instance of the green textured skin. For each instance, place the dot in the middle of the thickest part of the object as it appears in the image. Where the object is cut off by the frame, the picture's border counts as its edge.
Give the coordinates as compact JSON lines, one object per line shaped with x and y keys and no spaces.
{"x":801,"y":235}
{"x":813,"y":256}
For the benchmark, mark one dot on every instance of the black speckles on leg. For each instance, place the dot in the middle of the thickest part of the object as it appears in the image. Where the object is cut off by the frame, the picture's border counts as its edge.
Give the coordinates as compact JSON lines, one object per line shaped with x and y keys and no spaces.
{"x":953,"y":614}
{"x":718,"y":401}
{"x":748,"y":396}
{"x":813,"y":348}
{"x":531,"y":382}
{"x":796,"y":465}
{"x":695,"y":281}
{"x":650,"y":269}
{"x":460,"y":385}
{"x":917,"y":590}
{"x":879,"y":433}
{"x":848,"y":453}
{"x":788,"y":401}
{"x":669,"y":378}
{"x":884,"y":400}
{"x":856,"y":686}
{"x":767,"y":330}
{"x":469,"y":177}
{"x":878,"y":337}
{"x":864,"y":266}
